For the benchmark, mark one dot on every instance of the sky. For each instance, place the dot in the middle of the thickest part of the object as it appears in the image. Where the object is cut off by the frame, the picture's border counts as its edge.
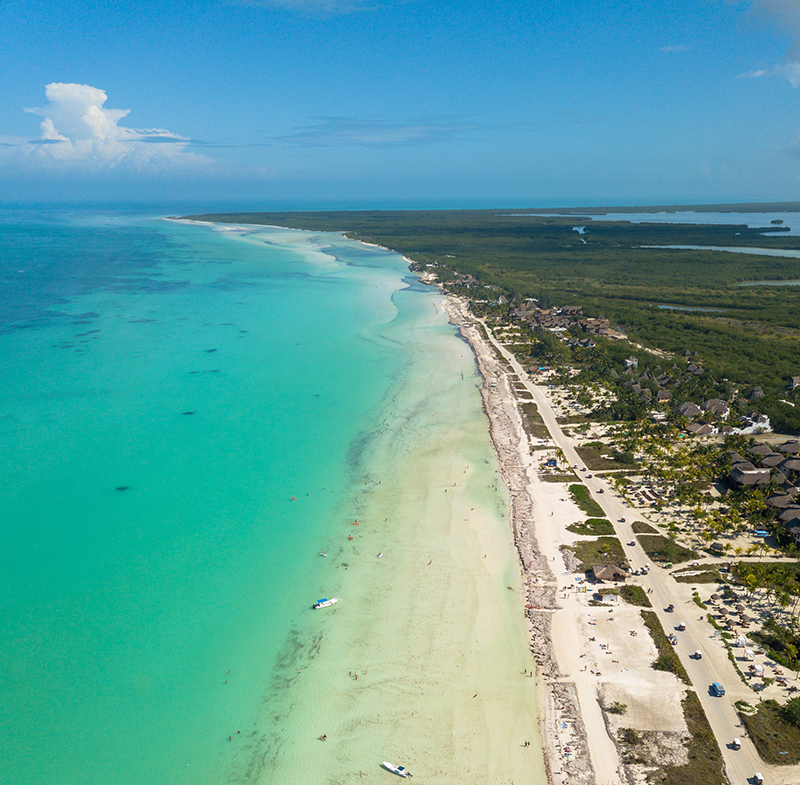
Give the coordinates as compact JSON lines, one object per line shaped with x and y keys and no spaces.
{"x":359,"y":103}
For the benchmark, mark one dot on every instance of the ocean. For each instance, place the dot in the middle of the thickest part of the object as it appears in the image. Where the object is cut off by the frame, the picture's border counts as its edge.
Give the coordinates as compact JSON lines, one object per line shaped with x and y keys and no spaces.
{"x":203,"y":430}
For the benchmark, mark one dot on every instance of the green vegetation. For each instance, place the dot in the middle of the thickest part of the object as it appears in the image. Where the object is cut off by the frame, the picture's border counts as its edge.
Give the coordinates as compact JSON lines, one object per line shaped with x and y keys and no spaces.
{"x":635,"y":595}
{"x":774,"y":730}
{"x":593,"y":526}
{"x":705,"y":764}
{"x":582,"y":497}
{"x":780,"y":581}
{"x":705,"y":575}
{"x":630,"y":593}
{"x":532,"y":421}
{"x":665,"y":549}
{"x":748,"y":335}
{"x":705,"y":758}
{"x":667,"y":659}
{"x":617,"y":708}
{"x":600,"y":551}
{"x":598,"y":456}
{"x":781,"y":643}
{"x":640,"y":527}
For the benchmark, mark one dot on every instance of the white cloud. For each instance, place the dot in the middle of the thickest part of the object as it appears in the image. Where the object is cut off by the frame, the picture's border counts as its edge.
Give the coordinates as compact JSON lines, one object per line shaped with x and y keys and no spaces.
{"x":785,"y":16}
{"x":345,"y":131}
{"x":789,"y":71}
{"x":78,"y":132}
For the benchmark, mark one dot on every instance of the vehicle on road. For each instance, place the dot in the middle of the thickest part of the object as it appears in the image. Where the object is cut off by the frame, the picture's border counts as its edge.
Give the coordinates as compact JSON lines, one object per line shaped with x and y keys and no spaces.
{"x":737,"y":744}
{"x":673,"y":638}
{"x":600,"y":490}
{"x":681,"y":627}
{"x":669,"y":608}
{"x":632,"y":543}
{"x":588,"y":476}
{"x":716,"y":689}
{"x":758,"y":778}
{"x":622,"y":520}
{"x":698,"y":655}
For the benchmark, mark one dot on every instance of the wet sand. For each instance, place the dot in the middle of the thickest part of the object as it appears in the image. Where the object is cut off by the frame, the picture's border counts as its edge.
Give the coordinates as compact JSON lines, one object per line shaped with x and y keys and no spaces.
{"x":424,"y":661}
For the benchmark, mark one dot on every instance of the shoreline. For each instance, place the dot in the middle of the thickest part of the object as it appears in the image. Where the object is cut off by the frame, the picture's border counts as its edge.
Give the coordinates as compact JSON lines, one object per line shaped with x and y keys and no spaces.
{"x":558,"y":696}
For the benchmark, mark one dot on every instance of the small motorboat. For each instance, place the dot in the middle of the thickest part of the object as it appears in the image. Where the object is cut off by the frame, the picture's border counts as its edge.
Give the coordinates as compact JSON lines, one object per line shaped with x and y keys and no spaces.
{"x":400,"y":771}
{"x":325,"y":602}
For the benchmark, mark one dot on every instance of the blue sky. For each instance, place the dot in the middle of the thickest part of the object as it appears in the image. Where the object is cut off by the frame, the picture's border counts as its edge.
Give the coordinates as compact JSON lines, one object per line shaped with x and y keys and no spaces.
{"x":320,"y":102}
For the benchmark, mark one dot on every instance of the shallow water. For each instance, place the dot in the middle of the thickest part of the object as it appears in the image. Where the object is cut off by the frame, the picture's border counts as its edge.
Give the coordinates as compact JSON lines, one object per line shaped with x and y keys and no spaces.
{"x":190,"y":416}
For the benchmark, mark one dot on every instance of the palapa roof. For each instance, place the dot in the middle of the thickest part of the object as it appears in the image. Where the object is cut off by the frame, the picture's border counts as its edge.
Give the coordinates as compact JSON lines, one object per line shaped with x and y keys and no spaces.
{"x":779,"y":501}
{"x":608,"y":572}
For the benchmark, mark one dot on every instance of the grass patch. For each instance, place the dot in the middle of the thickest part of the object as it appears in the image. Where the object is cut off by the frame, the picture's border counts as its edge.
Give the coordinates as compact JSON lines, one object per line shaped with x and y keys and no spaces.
{"x":557,"y":477}
{"x":532,"y":420}
{"x":593,"y":455}
{"x":600,"y":551}
{"x":710,"y":575}
{"x":663,"y":549}
{"x":772,"y":734}
{"x":635,"y":595}
{"x":593,"y":526}
{"x":580,"y":493}
{"x":705,"y":758}
{"x":640,"y":527}
{"x":667,"y":659}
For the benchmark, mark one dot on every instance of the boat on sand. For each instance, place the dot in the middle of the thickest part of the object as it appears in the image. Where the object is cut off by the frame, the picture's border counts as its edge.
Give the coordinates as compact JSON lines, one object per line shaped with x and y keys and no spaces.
{"x":399,"y":770}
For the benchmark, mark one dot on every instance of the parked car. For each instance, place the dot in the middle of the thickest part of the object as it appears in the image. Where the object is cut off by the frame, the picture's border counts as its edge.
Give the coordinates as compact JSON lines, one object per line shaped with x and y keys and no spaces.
{"x":717,"y":689}
{"x":737,"y":744}
{"x":669,"y":608}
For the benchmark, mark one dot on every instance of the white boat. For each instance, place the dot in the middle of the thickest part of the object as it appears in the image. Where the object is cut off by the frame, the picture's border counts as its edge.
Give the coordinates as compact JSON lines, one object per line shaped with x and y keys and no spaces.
{"x":325,"y":602}
{"x":399,"y":770}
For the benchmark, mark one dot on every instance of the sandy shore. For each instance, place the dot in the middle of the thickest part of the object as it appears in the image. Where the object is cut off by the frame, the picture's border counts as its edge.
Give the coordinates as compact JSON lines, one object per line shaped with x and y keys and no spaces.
{"x":588,"y":657}
{"x":562,"y":722}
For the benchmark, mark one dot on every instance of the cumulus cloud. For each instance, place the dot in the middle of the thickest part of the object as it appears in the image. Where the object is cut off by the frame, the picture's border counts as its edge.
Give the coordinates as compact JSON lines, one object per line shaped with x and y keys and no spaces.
{"x":79,"y":132}
{"x":785,"y":16}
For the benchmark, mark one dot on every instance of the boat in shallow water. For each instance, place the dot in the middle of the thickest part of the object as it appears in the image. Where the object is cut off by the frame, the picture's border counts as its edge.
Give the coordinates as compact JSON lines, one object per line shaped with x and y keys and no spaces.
{"x":399,"y":770}
{"x":325,"y":602}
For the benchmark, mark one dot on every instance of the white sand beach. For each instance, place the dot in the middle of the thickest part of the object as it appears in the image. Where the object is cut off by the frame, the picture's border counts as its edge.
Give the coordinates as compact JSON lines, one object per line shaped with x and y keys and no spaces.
{"x":424,"y":659}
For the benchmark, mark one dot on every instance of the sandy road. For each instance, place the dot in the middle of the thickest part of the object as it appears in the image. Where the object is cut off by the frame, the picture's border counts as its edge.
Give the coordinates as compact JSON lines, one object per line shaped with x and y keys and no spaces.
{"x":699,"y":635}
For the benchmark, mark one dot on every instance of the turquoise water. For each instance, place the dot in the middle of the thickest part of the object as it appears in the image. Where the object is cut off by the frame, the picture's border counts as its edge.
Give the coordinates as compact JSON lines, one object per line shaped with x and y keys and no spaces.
{"x":181,"y":410}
